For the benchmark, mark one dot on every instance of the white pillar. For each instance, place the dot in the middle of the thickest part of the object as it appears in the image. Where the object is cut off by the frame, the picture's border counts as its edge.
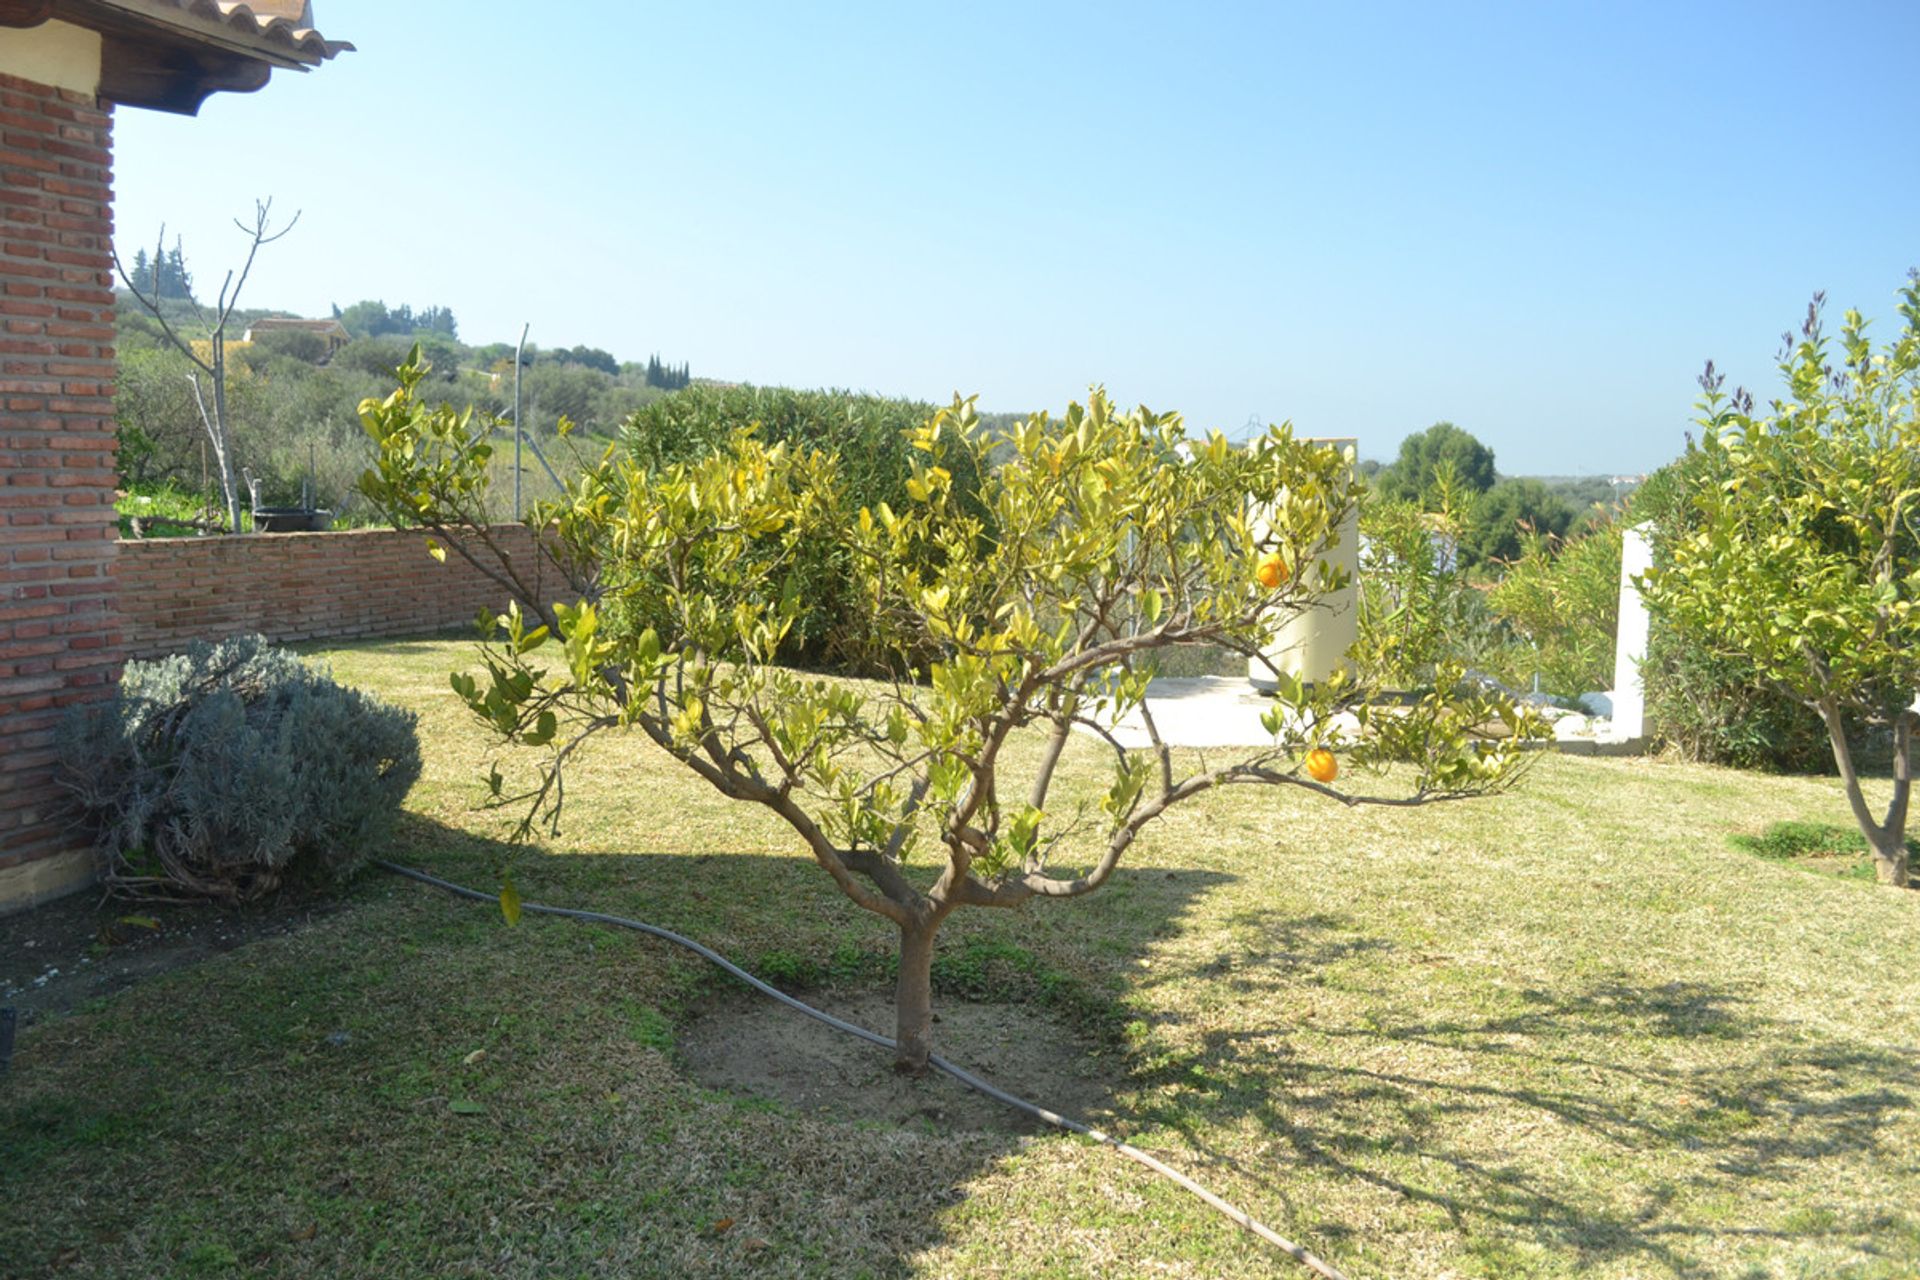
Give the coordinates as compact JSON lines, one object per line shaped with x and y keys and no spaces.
{"x":1313,"y":644}
{"x":1630,"y":640}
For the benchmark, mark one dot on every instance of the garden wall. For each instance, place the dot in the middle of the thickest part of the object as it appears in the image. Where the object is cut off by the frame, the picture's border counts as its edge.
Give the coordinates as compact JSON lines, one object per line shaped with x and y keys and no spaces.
{"x":300,"y":586}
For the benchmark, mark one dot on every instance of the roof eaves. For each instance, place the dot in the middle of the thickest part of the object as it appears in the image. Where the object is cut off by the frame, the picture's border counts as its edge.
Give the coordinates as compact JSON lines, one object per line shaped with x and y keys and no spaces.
{"x":239,"y":26}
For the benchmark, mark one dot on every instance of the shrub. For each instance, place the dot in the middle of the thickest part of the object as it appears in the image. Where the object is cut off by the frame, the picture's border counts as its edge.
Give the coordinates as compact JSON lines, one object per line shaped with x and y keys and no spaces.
{"x":1712,"y":706}
{"x":308,"y":429}
{"x":292,"y":422}
{"x":1411,"y":591}
{"x":1563,"y":597}
{"x":1504,"y":517}
{"x":868,"y":437}
{"x":233,"y":768}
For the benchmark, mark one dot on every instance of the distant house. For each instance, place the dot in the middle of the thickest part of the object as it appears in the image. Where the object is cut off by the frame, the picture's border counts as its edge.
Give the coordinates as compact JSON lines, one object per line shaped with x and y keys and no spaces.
{"x":332,"y":331}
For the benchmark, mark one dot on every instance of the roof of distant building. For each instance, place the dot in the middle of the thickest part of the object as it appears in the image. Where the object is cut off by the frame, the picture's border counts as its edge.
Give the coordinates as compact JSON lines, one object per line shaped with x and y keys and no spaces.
{"x":295,"y":322}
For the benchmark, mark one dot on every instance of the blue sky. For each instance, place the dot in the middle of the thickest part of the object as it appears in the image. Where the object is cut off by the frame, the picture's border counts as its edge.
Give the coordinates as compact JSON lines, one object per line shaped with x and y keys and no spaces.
{"x":1536,"y":221}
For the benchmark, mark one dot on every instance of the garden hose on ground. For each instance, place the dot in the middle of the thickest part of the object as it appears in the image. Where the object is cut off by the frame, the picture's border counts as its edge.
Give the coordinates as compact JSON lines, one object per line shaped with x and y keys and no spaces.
{"x":965,"y":1077}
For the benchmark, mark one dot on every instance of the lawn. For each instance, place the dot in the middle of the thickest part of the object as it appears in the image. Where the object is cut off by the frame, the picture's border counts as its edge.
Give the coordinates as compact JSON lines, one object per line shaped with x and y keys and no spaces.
{"x":1567,"y":1031}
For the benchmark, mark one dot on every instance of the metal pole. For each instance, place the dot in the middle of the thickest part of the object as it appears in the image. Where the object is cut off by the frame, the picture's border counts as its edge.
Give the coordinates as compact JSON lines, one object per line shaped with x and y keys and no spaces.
{"x":517,"y":356}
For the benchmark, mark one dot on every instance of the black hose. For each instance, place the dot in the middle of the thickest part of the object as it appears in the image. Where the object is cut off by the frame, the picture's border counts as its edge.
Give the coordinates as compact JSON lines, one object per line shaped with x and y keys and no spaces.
{"x":965,"y":1077}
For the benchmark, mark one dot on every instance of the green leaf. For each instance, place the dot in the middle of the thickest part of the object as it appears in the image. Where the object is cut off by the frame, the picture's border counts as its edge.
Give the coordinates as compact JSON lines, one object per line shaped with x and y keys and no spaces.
{"x":1151,"y":605}
{"x":542,"y":732}
{"x":467,"y":1107}
{"x":509,"y":901}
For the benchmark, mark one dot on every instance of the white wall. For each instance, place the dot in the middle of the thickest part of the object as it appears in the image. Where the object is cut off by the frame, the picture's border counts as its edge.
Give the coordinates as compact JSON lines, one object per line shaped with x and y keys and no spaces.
{"x":1630,"y":640}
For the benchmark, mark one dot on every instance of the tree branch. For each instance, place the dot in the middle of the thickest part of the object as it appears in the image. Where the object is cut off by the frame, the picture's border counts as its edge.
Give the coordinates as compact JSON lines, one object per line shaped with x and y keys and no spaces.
{"x":152,"y":306}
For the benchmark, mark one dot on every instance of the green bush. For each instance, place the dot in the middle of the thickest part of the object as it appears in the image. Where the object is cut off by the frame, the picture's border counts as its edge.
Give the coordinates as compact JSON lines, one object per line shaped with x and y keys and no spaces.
{"x":1716,"y":710}
{"x":1412,"y":596}
{"x":234,"y":768}
{"x":1562,"y":599}
{"x":1506,"y":515}
{"x":1710,"y":707}
{"x":866,"y":434}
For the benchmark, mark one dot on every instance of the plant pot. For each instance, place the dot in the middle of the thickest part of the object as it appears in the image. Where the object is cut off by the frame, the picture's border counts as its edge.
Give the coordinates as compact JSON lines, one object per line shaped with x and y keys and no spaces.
{"x":290,"y":520}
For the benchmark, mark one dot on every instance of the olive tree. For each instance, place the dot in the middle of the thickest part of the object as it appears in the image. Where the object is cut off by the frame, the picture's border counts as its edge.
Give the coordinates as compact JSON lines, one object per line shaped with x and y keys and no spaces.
{"x":1803,"y":555}
{"x":1033,"y":610}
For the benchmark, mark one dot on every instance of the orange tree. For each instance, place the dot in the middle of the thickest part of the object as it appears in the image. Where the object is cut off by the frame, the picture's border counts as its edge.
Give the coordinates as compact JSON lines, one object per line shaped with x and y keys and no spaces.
{"x":1801,"y":555}
{"x":1096,"y":541}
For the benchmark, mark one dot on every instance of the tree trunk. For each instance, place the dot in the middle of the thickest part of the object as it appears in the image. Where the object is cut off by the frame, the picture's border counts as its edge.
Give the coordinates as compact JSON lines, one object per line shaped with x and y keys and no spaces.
{"x":1888,"y":839}
{"x":1890,"y":858}
{"x":913,"y":999}
{"x":214,"y":421}
{"x":223,"y":435}
{"x":1890,"y":850}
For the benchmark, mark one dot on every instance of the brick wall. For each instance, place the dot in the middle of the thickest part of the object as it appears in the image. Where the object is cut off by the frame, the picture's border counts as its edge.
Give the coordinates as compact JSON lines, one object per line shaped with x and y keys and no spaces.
{"x":57,"y":635}
{"x":302,"y":586}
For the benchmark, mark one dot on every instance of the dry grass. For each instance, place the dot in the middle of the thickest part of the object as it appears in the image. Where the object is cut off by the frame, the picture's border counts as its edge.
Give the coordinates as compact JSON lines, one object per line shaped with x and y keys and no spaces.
{"x":1568,"y":1031}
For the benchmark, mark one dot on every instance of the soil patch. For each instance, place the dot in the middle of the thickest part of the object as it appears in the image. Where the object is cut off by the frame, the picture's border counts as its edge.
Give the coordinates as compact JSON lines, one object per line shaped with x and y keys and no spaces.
{"x":758,"y":1047}
{"x":61,"y":954}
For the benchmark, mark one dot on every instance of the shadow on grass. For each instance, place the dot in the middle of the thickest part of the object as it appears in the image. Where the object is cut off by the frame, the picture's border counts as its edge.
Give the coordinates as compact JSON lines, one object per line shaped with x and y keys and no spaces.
{"x":312,"y":1081}
{"x":1681,"y":1093}
{"x":783,"y":919}
{"x":410,"y":1080}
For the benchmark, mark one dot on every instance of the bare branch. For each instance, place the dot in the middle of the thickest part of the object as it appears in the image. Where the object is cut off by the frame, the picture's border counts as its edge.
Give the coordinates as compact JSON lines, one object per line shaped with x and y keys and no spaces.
{"x":258,"y":231}
{"x":1042,"y":780}
{"x":152,"y":305}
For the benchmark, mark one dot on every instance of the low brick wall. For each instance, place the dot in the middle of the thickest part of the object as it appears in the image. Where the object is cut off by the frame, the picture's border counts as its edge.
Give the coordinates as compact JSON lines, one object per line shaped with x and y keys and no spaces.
{"x":301,"y":586}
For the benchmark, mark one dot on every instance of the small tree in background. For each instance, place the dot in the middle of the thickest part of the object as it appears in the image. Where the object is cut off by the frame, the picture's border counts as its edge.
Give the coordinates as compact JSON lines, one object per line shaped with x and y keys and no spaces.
{"x":1413,"y":596}
{"x":1411,"y":476}
{"x":1562,"y":599}
{"x":1508,"y":517}
{"x":1806,"y":556}
{"x":1097,"y":542}
{"x":211,"y":400}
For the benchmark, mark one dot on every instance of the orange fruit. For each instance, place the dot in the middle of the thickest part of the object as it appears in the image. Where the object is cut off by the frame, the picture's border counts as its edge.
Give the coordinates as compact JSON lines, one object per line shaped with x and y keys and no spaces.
{"x":1321,"y":766}
{"x":1271,"y":571}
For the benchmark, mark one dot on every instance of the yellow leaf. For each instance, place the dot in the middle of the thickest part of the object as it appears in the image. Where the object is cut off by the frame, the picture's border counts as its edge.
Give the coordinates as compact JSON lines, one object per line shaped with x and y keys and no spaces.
{"x":509,"y":901}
